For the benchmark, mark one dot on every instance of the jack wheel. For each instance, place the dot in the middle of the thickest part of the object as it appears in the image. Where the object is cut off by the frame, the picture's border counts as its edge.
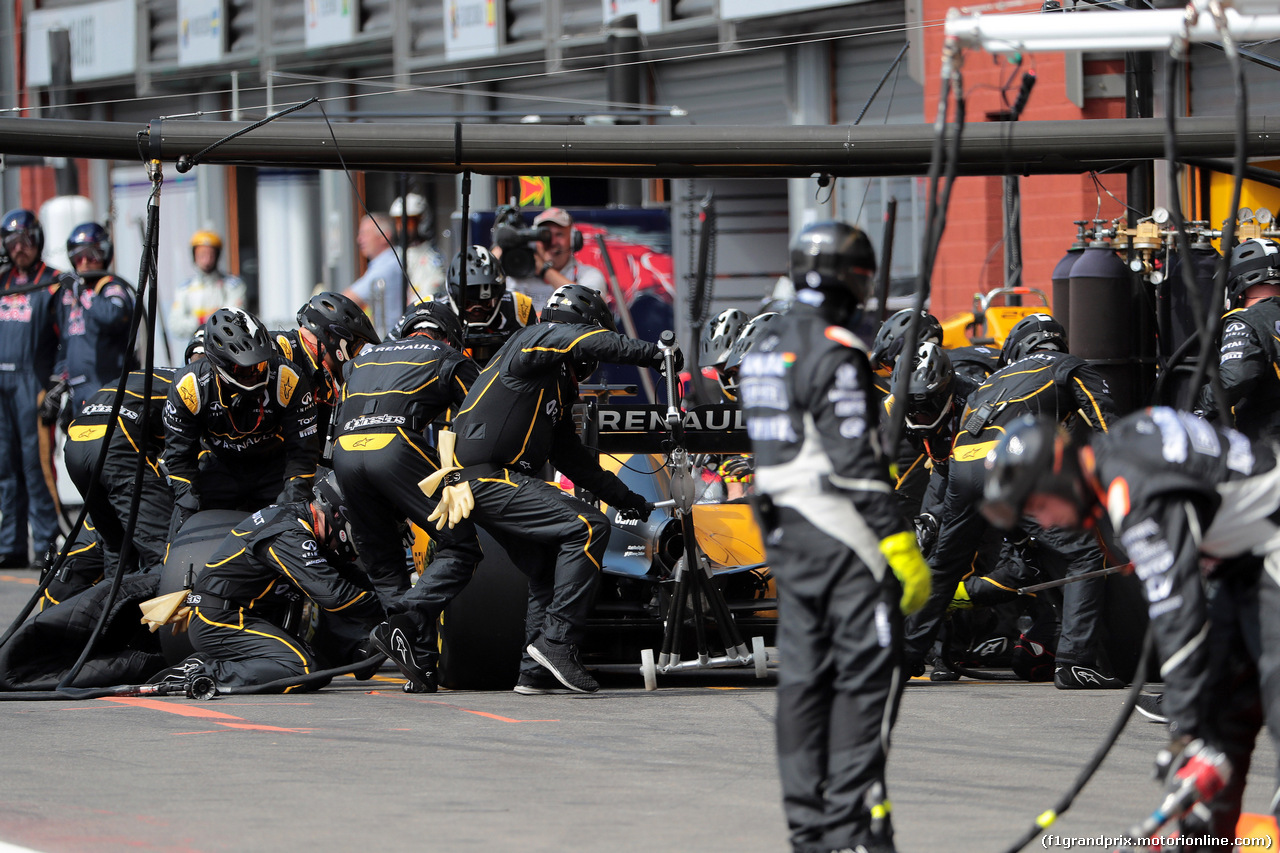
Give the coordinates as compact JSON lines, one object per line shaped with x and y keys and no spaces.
{"x":760,"y":657}
{"x":648,"y":669}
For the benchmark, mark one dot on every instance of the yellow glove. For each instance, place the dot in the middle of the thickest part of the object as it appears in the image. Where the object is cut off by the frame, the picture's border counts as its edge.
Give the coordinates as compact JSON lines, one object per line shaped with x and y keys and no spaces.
{"x":960,"y":599}
{"x":909,"y":565}
{"x":456,"y":503}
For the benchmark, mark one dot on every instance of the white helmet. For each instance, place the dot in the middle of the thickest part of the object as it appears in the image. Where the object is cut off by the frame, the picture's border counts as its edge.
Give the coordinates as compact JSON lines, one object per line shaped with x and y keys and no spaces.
{"x":416,"y":207}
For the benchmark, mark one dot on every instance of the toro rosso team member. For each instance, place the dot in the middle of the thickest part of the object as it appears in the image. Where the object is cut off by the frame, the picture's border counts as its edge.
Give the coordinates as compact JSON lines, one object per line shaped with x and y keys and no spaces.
{"x":515,"y":419}
{"x":28,"y":348}
{"x":283,"y":551}
{"x":845,"y":560}
{"x":1196,"y":507}
{"x":240,"y":423}
{"x":93,"y":317}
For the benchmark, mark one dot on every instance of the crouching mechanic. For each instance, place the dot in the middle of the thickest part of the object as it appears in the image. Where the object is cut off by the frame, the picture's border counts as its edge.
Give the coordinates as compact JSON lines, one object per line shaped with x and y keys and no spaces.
{"x":113,"y":492}
{"x":394,"y":393}
{"x":283,"y":551}
{"x":517,"y":416}
{"x":1196,"y":508}
{"x":240,"y":424}
{"x":846,"y":561}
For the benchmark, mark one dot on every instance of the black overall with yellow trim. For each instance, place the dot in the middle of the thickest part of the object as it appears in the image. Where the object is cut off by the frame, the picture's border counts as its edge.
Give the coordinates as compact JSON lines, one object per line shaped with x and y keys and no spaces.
{"x":517,"y":417}
{"x":515,"y":311}
{"x":1045,"y":383}
{"x":269,"y":557}
{"x":394,"y":392}
{"x":324,"y":385}
{"x":227,"y":448}
{"x":1249,"y":368}
{"x":84,"y":567}
{"x":109,"y":504}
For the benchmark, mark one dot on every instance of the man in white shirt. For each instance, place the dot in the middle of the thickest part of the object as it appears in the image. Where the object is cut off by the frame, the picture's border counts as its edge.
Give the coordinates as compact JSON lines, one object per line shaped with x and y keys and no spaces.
{"x":204,"y":292}
{"x":425,"y":266}
{"x":380,"y":285}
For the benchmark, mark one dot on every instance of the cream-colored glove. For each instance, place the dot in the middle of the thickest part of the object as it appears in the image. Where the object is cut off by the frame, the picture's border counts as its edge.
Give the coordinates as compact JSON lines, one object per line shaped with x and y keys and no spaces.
{"x":909,"y":565}
{"x":456,"y":503}
{"x":448,"y":463}
{"x":168,"y":609}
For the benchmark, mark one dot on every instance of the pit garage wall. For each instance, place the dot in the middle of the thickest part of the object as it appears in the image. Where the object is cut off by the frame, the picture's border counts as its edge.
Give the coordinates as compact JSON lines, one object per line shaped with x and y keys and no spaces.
{"x":749,"y":77}
{"x":824,"y":82}
{"x":971,"y":257}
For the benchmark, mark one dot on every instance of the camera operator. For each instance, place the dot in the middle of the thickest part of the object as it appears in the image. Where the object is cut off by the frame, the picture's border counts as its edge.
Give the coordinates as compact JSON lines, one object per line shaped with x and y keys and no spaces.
{"x":550,"y":249}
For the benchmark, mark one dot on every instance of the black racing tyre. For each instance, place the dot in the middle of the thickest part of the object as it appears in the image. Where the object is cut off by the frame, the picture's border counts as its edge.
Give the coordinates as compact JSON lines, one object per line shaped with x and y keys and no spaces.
{"x":482,"y":630}
{"x":191,"y":549}
{"x":1125,"y":622}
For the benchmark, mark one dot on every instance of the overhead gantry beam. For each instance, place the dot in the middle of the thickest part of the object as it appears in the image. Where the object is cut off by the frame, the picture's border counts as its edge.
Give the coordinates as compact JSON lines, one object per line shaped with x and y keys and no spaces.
{"x":644,"y":151}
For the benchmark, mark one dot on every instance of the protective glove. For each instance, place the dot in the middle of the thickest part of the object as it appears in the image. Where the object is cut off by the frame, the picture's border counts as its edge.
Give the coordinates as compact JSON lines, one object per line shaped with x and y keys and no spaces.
{"x":446,"y":441}
{"x":1195,"y":773}
{"x":632,"y":505}
{"x":168,"y":609}
{"x":926,"y":524}
{"x":904,"y":557}
{"x":51,"y":405}
{"x":677,"y":361}
{"x":960,"y":599}
{"x":456,"y":503}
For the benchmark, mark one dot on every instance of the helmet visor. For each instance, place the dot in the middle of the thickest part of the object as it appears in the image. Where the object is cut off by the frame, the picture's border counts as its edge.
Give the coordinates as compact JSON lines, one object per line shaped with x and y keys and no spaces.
{"x":250,"y":377}
{"x":18,"y":240}
{"x":87,"y":252}
{"x":924,"y":414}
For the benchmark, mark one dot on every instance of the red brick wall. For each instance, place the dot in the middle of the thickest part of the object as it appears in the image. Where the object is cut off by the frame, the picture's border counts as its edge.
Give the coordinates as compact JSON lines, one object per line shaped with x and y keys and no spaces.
{"x":971,"y":259}
{"x":39,"y":184}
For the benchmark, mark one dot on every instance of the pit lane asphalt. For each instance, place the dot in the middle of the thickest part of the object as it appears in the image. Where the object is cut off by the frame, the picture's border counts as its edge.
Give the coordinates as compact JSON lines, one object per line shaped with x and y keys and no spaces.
{"x":690,"y":767}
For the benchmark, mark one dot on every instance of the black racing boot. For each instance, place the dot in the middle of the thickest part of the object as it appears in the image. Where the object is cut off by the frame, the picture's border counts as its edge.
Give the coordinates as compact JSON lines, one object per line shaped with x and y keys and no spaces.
{"x":1070,"y":676}
{"x":395,"y":638}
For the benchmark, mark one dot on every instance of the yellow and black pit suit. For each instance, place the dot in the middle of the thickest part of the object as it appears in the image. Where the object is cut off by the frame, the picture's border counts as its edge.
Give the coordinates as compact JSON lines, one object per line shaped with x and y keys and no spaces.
{"x":1047,"y":383}
{"x":227,"y":448}
{"x":394,"y":391}
{"x":236,"y":601}
{"x":109,"y":503}
{"x":324,"y":385}
{"x":515,"y":419}
{"x":1249,"y":368}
